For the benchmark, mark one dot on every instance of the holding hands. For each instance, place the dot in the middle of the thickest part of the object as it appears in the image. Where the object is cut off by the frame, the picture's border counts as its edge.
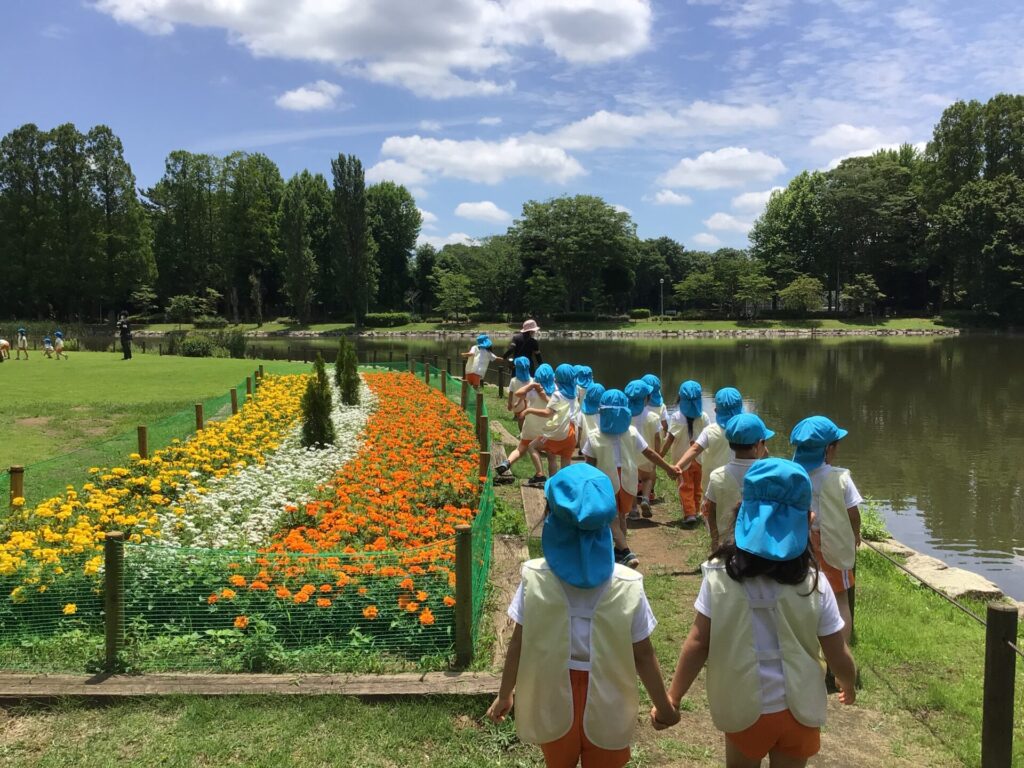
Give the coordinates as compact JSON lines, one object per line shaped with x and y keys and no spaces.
{"x":661,"y":720}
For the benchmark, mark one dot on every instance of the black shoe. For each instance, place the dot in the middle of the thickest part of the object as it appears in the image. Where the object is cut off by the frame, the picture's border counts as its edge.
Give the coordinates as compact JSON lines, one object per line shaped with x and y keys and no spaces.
{"x":503,"y":468}
{"x":537,"y":481}
{"x":627,"y":558}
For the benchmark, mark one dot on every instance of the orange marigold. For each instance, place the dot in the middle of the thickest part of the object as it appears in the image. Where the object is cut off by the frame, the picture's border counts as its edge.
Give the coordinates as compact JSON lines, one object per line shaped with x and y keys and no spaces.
{"x":236,"y":580}
{"x":370,"y":612}
{"x":301,"y":597}
{"x":449,"y":600}
{"x":421,"y":596}
{"x":241,"y":622}
{"x":323,"y":602}
{"x":426,"y":617}
{"x":228,"y":594}
{"x":259,"y":586}
{"x":412,"y":606}
{"x":212,"y":599}
{"x":283,"y":593}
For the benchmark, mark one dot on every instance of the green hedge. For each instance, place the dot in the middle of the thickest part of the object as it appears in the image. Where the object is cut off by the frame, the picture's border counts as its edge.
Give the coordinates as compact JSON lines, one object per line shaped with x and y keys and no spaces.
{"x":386,"y":319}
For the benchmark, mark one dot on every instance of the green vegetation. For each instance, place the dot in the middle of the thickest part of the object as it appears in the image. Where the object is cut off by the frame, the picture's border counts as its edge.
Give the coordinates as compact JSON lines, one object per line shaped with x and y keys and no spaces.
{"x":317,"y":428}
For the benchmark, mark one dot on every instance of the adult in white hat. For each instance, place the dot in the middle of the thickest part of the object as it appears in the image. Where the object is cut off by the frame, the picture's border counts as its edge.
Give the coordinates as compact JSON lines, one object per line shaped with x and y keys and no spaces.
{"x":525,"y":344}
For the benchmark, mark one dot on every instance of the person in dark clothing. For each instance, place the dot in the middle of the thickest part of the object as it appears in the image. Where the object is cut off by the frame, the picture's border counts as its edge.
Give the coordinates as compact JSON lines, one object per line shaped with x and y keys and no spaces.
{"x":525,"y":344}
{"x":125,"y":330}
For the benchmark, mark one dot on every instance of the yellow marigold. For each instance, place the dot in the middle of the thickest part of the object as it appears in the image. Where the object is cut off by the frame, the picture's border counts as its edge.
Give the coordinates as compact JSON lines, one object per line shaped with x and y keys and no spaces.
{"x":370,"y":612}
{"x":70,"y":609}
{"x":241,"y":622}
{"x":18,"y":501}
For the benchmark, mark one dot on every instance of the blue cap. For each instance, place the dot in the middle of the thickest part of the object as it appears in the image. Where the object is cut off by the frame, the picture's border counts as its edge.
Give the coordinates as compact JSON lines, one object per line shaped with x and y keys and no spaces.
{"x":811,"y":437}
{"x":522,"y":365}
{"x":728,"y":403}
{"x":655,"y":384}
{"x":59,"y":335}
{"x":577,"y":539}
{"x":772,"y":519}
{"x":46,"y":338}
{"x":484,"y":341}
{"x":690,"y":402}
{"x":21,"y":330}
{"x":637,"y":391}
{"x":584,"y":376}
{"x":615,"y":413}
{"x":545,"y":376}
{"x":565,"y":380}
{"x":592,"y":399}
{"x":747,"y":429}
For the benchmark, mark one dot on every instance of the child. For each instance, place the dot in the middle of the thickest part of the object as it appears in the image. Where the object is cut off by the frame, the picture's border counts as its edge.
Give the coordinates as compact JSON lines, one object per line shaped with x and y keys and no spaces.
{"x":558,"y":439}
{"x":5,"y":350}
{"x":764,"y":617}
{"x":582,"y":635}
{"x":543,"y":383}
{"x":686,"y":424}
{"x":835,"y":527}
{"x":587,"y":416}
{"x":477,"y":360}
{"x":616,"y":449}
{"x":657,"y":401}
{"x":521,"y":378}
{"x":58,"y":345}
{"x":746,"y":434}
{"x":647,"y":422}
{"x":711,"y":444}
{"x":584,"y":378}
{"x":47,"y":347}
{"x":22,"y":344}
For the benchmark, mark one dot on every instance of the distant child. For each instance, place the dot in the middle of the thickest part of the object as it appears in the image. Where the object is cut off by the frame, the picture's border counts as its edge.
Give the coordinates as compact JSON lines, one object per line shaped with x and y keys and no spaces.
{"x":648,"y":423}
{"x":765,"y":616}
{"x":686,"y":424}
{"x":588,"y":417}
{"x":22,"y":344}
{"x":478,"y":359}
{"x":536,"y":397}
{"x":558,"y":438}
{"x":58,"y":345}
{"x":617,"y":449}
{"x":711,"y":444}
{"x":835,"y":527}
{"x":746,"y":434}
{"x":5,"y":349}
{"x":582,"y":635}
{"x":47,"y":347}
{"x":521,"y":377}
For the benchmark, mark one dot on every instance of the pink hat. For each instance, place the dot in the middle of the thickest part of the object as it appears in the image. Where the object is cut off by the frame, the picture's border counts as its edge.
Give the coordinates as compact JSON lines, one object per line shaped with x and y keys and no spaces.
{"x":529,"y":325}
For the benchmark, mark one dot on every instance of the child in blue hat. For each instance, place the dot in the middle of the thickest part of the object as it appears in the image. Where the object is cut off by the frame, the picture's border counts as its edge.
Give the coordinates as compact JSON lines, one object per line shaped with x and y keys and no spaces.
{"x":58,"y":345}
{"x":5,"y":349}
{"x":558,"y":437}
{"x":582,"y":635}
{"x":47,"y":346}
{"x":835,"y":527}
{"x":711,"y":444}
{"x":535,"y":395}
{"x":478,"y":359}
{"x":746,"y":434}
{"x":21,"y":343}
{"x":648,"y":423}
{"x":520,"y":378}
{"x":656,"y":400}
{"x":617,"y":449}
{"x":687,"y":422}
{"x":765,"y":616}
{"x":588,"y":415}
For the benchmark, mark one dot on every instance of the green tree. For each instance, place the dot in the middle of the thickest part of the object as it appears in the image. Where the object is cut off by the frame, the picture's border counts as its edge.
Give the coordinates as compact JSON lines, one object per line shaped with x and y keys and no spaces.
{"x":355,"y":262}
{"x":394,"y":226}
{"x":454,"y":293}
{"x":346,"y":372}
{"x":299,"y":262}
{"x":803,"y":294}
{"x":956,"y":154}
{"x":863,"y":294}
{"x":422,"y":294}
{"x":753,"y":290}
{"x":317,"y":427}
{"x":545,"y":293}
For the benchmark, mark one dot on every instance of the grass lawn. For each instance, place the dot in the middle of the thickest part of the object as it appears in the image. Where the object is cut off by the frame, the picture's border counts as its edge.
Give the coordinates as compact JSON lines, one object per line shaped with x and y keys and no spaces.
{"x":53,"y":407}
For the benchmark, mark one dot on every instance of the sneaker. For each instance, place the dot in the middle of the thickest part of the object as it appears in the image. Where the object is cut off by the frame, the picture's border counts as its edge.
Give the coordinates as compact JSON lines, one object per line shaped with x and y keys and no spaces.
{"x":503,"y":468}
{"x":645,"y":508}
{"x":627,"y":558}
{"x":690,"y":521}
{"x":537,"y":481}
{"x":634,"y":513}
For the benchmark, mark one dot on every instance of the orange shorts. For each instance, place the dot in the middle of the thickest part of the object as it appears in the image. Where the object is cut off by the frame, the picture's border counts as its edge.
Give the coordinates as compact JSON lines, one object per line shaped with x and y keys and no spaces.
{"x":575,"y":747}
{"x":562,"y":448}
{"x":781,"y":732}
{"x":624,"y":500}
{"x":473,"y":379}
{"x":839,"y":579}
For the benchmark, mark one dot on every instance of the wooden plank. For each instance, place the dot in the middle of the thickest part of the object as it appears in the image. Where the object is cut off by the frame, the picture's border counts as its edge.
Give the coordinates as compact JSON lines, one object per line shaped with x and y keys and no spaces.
{"x":533,"y":506}
{"x":508,"y":555}
{"x":39,"y":686}
{"x":502,"y":433}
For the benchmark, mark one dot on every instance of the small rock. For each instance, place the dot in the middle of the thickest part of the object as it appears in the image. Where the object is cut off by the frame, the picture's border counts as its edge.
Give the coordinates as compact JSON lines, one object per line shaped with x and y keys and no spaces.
{"x":954,"y":582}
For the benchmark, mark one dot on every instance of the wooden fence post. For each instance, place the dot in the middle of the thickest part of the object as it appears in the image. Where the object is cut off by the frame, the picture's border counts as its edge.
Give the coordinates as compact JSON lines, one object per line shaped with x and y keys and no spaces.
{"x":412,"y":365}
{"x":143,"y":433}
{"x":501,"y":381}
{"x":463,"y":596}
{"x":479,"y":407}
{"x":444,"y":382}
{"x":481,"y":432}
{"x":465,"y":394}
{"x":234,"y":401}
{"x":17,"y":474}
{"x":448,"y":365}
{"x":1000,"y":669}
{"x":113,"y":596}
{"x":248,"y":385}
{"x":485,"y":464}
{"x":262,"y":372}
{"x":160,"y":350}
{"x":199,"y":416}
{"x":426,"y":372}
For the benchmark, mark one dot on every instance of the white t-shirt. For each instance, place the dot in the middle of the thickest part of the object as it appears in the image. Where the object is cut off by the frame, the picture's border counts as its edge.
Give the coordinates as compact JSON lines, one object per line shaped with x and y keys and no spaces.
{"x":533,"y":425}
{"x":616,"y":443}
{"x":738,"y":469}
{"x":557,"y":427}
{"x":478,"y":360}
{"x":586,"y":600}
{"x":518,"y":403}
{"x":766,"y":635}
{"x":818,"y":475}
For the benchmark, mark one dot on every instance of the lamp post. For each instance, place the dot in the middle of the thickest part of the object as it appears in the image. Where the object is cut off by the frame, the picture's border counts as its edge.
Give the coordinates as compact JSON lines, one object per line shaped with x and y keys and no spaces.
{"x":661,"y":290}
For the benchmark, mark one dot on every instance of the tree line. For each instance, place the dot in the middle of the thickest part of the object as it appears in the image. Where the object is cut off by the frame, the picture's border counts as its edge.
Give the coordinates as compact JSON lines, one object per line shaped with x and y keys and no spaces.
{"x":900,"y":230}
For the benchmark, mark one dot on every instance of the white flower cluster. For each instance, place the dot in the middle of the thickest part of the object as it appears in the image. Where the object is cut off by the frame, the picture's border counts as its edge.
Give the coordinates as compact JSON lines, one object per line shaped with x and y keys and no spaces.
{"x":243,"y":509}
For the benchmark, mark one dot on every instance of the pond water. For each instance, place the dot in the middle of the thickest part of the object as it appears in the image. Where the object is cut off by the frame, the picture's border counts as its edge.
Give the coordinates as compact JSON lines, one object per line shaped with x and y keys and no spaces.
{"x":936,"y":424}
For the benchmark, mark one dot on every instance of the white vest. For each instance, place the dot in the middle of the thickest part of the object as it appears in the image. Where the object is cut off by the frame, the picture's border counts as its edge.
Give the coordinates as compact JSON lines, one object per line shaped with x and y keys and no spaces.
{"x":544,"y":707}
{"x":717,"y":454}
{"x":733,"y":677}
{"x":727,"y":493}
{"x":650,"y":429}
{"x":604,"y":453}
{"x":677,"y":428}
{"x":589,"y":425}
{"x":557,"y":427}
{"x":838,"y":543}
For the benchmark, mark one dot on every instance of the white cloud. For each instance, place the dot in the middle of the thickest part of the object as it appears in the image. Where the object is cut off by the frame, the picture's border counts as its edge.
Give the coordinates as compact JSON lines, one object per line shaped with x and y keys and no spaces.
{"x":485,"y":210}
{"x":844,"y":137}
{"x":392,"y":170}
{"x":433,"y":126}
{"x":726,"y":222}
{"x":706,"y":240}
{"x":701,"y":118}
{"x":726,"y":167}
{"x":622,"y":209}
{"x":440,"y":241}
{"x":439,"y":49}
{"x":668,"y":197}
{"x":487,"y":162}
{"x":746,"y":16}
{"x":319,"y":95}
{"x":753,"y":203}
{"x":428,"y":219}
{"x":489,"y":121}
{"x":55,"y":32}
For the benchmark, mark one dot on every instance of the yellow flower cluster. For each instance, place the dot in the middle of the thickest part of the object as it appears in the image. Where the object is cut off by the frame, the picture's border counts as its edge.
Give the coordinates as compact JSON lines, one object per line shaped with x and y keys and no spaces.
{"x":66,"y":532}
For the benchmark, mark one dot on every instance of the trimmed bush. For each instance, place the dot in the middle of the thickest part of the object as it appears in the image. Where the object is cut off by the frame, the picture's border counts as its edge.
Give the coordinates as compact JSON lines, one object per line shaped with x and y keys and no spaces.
{"x":317,"y":427}
{"x":641,"y":313}
{"x":234,"y":342}
{"x":346,"y":372}
{"x":386,"y":319}
{"x":210,"y":321}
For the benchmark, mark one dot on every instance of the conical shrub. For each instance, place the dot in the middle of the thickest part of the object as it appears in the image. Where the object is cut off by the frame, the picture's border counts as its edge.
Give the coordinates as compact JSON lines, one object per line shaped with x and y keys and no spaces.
{"x":347,"y":372}
{"x":317,"y":427}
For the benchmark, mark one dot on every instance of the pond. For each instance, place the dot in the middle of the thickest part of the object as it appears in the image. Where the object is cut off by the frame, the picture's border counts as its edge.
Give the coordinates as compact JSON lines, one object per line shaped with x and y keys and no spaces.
{"x":936,"y":424}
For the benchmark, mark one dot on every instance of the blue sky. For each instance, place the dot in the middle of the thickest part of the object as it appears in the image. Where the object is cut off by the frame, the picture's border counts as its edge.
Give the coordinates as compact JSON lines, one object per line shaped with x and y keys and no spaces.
{"x":685,"y":112}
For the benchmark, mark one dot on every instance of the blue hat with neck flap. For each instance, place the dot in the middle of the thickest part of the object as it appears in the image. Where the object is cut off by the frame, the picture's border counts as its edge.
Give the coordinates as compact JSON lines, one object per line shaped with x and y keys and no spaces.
{"x":728,"y":403}
{"x":565,"y":380}
{"x":811,"y":437}
{"x":584,"y":376}
{"x":576,"y":538}
{"x":615,"y":413}
{"x":690,"y":399}
{"x":592,"y":399}
{"x":637,"y":391}
{"x":522,"y":365}
{"x":655,"y":384}
{"x":772,"y":519}
{"x":545,"y":376}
